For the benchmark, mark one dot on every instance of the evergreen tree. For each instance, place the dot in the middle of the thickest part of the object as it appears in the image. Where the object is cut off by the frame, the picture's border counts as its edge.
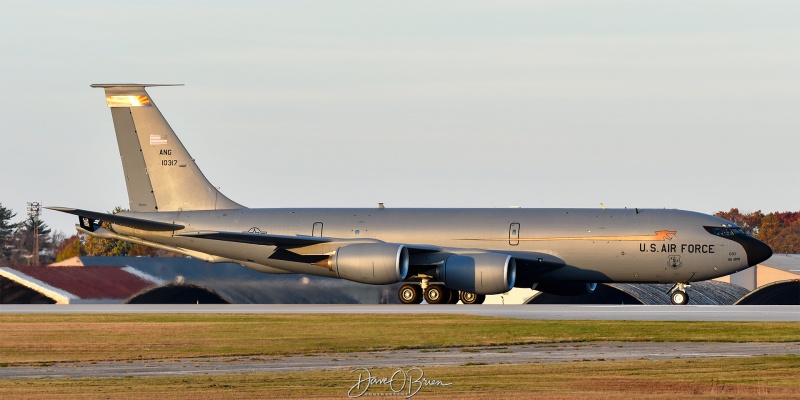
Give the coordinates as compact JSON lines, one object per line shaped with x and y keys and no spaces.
{"x":6,"y":231}
{"x":26,"y":235}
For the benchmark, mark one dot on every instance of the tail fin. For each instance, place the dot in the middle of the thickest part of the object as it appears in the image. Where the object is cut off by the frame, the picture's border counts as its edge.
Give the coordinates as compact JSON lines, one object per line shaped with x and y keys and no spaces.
{"x":159,"y":172}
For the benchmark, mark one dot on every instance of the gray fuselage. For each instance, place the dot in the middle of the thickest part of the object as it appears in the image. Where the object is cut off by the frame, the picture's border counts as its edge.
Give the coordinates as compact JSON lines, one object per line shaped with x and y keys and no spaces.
{"x":597,"y":245}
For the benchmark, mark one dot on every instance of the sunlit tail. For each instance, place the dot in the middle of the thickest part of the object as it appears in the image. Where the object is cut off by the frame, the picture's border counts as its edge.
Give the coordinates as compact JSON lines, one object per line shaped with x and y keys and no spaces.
{"x":159,"y":172}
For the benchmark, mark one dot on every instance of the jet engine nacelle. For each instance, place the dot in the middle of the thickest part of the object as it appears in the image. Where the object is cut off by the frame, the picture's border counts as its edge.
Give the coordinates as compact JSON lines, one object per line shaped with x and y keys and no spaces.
{"x":485,"y":273}
{"x":375,"y":263}
{"x":565,"y":288}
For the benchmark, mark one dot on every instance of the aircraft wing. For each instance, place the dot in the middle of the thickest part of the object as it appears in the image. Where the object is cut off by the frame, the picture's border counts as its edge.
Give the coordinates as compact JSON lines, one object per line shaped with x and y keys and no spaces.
{"x":291,"y":241}
{"x":529,"y":263}
{"x":264,"y":239}
{"x":86,"y":217}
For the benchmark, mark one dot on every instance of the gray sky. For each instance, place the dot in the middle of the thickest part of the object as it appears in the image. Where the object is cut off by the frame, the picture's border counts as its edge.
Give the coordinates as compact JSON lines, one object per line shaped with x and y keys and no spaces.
{"x":677,"y":104}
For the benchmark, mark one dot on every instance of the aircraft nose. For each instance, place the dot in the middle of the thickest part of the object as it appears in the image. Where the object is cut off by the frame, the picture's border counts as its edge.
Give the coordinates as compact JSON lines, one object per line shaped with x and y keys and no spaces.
{"x":757,"y":251}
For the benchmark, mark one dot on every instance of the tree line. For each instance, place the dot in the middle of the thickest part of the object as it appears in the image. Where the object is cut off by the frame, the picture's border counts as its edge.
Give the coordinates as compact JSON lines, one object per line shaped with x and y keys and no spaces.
{"x":17,"y":243}
{"x":17,"y":240}
{"x":780,"y":230}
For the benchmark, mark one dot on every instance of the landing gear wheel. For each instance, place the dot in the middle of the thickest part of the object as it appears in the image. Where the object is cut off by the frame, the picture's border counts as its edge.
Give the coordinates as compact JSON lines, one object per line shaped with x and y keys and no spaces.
{"x":410,"y":294}
{"x":437,"y":294}
{"x":471,"y":298}
{"x":679,"y":297}
{"x":453,"y":297}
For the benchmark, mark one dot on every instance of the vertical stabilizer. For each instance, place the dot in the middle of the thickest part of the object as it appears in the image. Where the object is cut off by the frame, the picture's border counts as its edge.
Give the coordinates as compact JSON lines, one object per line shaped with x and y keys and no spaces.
{"x":159,"y":172}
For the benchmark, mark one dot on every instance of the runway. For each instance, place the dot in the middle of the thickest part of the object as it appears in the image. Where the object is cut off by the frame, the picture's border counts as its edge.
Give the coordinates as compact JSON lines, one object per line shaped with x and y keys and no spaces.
{"x":533,"y":312}
{"x":520,"y":354}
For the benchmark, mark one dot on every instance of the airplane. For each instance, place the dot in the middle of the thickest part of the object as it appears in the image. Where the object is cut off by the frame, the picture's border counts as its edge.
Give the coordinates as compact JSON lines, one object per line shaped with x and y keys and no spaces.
{"x":441,"y":255}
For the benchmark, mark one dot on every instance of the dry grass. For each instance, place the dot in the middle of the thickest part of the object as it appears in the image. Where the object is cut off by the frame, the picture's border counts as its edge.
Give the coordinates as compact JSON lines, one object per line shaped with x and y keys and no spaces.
{"x":757,"y":377}
{"x":52,"y":338}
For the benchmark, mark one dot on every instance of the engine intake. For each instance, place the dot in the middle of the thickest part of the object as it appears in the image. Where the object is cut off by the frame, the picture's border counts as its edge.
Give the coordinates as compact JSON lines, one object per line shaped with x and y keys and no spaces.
{"x":485,"y":273}
{"x":375,"y":263}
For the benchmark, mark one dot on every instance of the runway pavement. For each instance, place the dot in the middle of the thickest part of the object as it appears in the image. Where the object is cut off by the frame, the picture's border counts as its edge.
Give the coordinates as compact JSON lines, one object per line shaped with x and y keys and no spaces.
{"x":542,"y":312}
{"x":535,"y":353}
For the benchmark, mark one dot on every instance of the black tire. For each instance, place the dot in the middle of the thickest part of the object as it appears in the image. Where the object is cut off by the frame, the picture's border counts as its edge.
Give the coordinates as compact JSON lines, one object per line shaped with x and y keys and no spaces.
{"x":679,"y":298}
{"x":437,"y":294}
{"x":471,"y":298}
{"x":453,"y":297}
{"x":410,"y":294}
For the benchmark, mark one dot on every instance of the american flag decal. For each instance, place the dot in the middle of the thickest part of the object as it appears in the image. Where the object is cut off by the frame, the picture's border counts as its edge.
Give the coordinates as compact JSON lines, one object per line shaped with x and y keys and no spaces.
{"x":156,"y":140}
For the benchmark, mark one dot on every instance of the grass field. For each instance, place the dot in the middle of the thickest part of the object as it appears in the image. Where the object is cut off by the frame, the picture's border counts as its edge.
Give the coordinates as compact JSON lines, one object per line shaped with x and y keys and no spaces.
{"x":52,"y":338}
{"x":747,"y":378}
{"x":43,"y":339}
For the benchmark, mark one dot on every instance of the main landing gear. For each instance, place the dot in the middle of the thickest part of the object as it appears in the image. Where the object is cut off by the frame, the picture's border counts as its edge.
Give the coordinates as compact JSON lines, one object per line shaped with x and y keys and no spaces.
{"x":678,"y":295}
{"x":412,"y":293}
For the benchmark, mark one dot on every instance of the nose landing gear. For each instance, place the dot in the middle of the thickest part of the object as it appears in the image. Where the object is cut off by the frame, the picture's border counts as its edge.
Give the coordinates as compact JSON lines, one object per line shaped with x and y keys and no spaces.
{"x":678,"y":294}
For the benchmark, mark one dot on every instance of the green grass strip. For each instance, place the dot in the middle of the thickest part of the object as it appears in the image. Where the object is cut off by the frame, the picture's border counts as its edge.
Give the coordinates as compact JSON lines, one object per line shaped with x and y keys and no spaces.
{"x":51,"y":338}
{"x":755,"y":377}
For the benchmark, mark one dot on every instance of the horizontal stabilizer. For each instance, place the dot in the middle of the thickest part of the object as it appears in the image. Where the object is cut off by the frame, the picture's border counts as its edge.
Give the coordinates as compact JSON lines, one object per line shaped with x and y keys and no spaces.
{"x":136,"y":223}
{"x":134,"y":85}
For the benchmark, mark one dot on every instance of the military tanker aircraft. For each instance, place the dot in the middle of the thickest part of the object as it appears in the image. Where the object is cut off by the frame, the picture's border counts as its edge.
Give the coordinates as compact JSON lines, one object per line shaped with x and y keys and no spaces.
{"x":441,"y":255}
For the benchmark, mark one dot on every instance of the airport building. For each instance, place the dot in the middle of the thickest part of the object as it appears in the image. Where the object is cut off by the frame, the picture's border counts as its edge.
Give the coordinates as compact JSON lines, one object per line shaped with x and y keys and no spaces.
{"x":145,"y":280}
{"x":175,"y":280}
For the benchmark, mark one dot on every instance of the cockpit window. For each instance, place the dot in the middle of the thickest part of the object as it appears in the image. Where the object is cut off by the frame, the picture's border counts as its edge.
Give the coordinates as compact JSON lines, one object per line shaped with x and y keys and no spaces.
{"x":725,"y":231}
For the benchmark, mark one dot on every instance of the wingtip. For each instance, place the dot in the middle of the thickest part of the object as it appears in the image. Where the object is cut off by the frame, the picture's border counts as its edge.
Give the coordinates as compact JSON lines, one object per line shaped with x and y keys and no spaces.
{"x":54,"y":208}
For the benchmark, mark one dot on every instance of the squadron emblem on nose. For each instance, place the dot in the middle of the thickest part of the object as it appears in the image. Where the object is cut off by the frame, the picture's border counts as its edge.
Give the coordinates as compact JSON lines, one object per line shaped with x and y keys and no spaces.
{"x":674,"y":261}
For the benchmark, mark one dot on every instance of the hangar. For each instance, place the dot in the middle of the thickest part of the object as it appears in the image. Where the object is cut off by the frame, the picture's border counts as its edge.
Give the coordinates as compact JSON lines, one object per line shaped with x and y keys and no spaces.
{"x":775,"y":281}
{"x":183,"y":280}
{"x":175,"y":280}
{"x":782,"y":292}
{"x":66,"y":285}
{"x":700,"y":293}
{"x":177,"y":294}
{"x":779,"y":267}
